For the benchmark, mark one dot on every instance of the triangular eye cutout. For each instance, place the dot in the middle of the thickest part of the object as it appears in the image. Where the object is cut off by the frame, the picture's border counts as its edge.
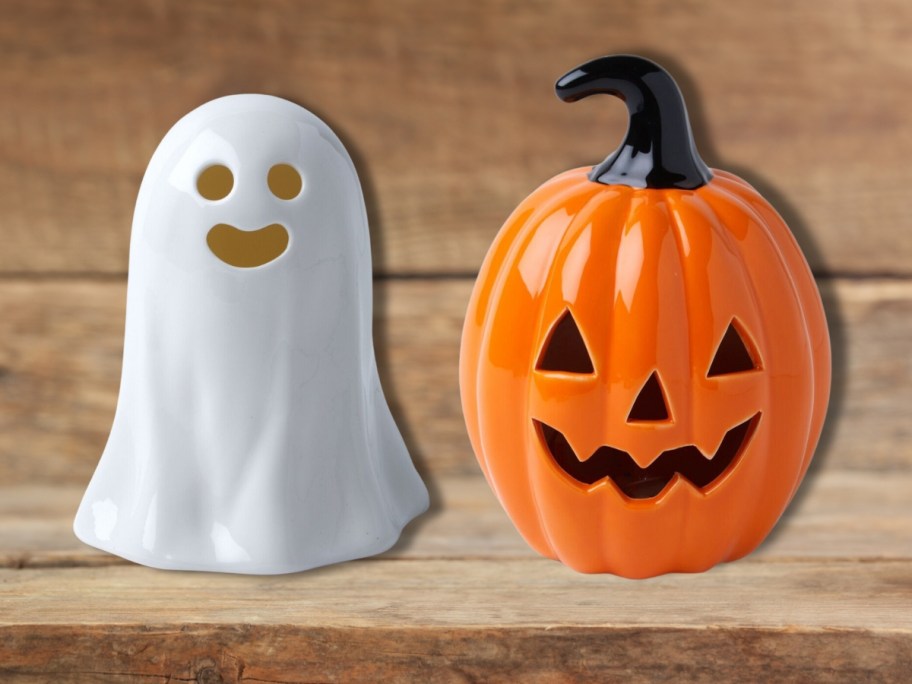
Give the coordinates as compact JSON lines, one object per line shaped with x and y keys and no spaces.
{"x":733,"y":355}
{"x":565,"y":349}
{"x":650,"y":402}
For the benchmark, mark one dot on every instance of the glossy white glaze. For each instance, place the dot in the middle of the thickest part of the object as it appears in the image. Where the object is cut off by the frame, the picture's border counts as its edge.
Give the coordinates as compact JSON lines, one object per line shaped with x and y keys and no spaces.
{"x":251,"y":433}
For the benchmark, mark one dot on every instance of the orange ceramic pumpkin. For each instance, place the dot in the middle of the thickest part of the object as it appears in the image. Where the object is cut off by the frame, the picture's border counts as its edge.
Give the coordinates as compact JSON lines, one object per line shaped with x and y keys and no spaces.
{"x":645,"y":362}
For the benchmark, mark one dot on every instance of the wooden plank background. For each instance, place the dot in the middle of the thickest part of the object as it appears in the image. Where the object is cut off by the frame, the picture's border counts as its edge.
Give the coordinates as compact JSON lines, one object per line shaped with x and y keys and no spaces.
{"x":61,"y":344}
{"x":449,"y":113}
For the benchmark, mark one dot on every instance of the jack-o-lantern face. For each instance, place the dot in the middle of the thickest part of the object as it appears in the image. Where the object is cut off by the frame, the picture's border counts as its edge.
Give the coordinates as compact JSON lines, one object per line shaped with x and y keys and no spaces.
{"x":645,"y":360}
{"x":565,"y":352}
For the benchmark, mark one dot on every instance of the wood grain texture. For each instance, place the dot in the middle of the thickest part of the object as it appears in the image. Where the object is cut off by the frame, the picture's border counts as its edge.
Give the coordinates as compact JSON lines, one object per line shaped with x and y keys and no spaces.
{"x":463,"y":599}
{"x":449,"y":111}
{"x":539,"y":655}
{"x":840,"y":515}
{"x":370,"y":620}
{"x":815,"y":594}
{"x":60,"y":356}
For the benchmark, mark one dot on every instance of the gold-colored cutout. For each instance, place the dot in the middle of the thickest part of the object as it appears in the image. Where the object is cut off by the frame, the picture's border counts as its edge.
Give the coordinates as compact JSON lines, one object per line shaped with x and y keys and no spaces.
{"x":215,"y":182}
{"x":284,"y":181}
{"x":247,"y":248}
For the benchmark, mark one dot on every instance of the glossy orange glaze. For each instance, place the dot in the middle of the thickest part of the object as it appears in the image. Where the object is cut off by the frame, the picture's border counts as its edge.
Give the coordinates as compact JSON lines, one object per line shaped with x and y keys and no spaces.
{"x":653,"y":278}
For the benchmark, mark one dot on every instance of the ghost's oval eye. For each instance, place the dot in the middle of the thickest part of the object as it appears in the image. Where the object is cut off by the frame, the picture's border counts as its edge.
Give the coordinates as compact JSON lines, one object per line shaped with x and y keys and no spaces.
{"x":215,"y":182}
{"x":284,"y":181}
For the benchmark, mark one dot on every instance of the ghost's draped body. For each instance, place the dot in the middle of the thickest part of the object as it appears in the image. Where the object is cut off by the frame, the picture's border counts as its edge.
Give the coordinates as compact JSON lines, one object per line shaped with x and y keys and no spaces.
{"x":251,"y":432}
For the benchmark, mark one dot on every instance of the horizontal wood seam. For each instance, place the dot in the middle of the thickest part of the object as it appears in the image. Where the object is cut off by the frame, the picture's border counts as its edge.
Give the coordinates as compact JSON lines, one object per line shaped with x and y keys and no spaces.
{"x":22,"y":561}
{"x":386,"y":276}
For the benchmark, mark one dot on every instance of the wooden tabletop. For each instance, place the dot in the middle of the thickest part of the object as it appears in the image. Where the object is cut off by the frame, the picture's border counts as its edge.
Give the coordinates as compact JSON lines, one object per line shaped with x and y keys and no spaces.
{"x":449,"y":112}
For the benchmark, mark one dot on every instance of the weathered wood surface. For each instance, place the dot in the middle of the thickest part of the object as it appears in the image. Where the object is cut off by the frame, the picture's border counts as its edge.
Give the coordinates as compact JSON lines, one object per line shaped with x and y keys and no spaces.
{"x":844,"y":515}
{"x":540,"y":655}
{"x":449,"y":111}
{"x":435,"y":620}
{"x":828,"y":597}
{"x":471,"y":593}
{"x":60,"y":356}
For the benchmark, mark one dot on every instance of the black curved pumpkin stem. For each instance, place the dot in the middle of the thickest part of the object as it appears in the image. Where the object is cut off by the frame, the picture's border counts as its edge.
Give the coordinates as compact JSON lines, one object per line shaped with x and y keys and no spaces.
{"x":659,"y":150}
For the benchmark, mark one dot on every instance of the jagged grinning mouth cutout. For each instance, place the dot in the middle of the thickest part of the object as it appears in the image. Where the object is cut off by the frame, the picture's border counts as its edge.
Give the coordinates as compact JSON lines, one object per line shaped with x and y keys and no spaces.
{"x":645,"y":483}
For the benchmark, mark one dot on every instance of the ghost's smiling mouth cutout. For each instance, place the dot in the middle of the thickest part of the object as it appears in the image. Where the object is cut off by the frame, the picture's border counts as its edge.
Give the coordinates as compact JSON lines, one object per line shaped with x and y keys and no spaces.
{"x":247,"y":248}
{"x":635,"y":482}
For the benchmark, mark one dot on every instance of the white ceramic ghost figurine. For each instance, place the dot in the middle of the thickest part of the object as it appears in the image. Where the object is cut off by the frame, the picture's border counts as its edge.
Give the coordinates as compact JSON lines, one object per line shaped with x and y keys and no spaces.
{"x":251,"y":432}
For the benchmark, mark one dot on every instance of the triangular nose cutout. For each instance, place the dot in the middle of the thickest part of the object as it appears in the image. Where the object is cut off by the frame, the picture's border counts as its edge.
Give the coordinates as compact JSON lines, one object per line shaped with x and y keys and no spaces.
{"x":650,"y":403}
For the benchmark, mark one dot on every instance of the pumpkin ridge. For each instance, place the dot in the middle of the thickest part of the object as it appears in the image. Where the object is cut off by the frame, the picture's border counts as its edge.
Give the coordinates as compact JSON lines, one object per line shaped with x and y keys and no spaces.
{"x":574,"y":226}
{"x":713,"y":193}
{"x":679,"y":232}
{"x":732,"y":195}
{"x":518,"y":246}
{"x":481,"y":296}
{"x":700,"y":203}
{"x":735,"y":198}
{"x":601,"y":530}
{"x":807,"y":292}
{"x":514,"y":243}
{"x":610,"y":553}
{"x":538,"y":212}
